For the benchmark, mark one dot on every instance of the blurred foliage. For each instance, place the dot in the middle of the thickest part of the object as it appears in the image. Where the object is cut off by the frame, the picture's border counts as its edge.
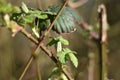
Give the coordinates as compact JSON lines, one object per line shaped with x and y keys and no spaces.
{"x":15,"y":54}
{"x":7,"y":7}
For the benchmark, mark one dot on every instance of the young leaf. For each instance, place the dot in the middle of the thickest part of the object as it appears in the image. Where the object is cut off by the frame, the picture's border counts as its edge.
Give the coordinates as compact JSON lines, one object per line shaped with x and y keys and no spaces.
{"x":62,"y":57}
{"x":7,"y":20}
{"x":28,"y":18}
{"x":52,"y":42}
{"x":59,"y":46}
{"x":74,"y":59}
{"x":35,"y":32}
{"x":63,"y":41}
{"x":58,"y":39}
{"x":56,"y":70}
{"x":71,"y":56}
{"x":67,"y":54}
{"x":21,"y":22}
{"x":24,"y":8}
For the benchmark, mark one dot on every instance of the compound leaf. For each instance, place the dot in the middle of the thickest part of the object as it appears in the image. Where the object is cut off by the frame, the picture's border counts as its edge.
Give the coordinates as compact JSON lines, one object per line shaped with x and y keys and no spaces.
{"x":67,"y":20}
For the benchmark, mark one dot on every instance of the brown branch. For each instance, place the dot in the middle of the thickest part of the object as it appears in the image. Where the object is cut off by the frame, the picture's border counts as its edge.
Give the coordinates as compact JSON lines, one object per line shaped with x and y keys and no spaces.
{"x":26,"y":67}
{"x":67,"y":74}
{"x":38,"y":69}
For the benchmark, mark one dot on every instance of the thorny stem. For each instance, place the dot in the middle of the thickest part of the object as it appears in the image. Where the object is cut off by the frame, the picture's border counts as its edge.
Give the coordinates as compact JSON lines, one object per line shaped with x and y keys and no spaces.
{"x":43,"y":48}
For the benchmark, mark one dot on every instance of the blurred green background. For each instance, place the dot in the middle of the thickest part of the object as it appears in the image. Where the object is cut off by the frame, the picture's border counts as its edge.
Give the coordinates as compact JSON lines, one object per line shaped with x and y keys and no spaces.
{"x":15,"y":51}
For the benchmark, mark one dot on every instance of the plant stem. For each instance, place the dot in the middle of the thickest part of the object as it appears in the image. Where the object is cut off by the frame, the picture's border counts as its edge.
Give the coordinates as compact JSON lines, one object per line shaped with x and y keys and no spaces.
{"x":35,"y":41}
{"x":29,"y":36}
{"x":26,"y":68}
{"x":67,"y":74}
{"x":103,"y":41}
{"x":47,"y":52}
{"x":35,"y":54}
{"x":38,"y":69}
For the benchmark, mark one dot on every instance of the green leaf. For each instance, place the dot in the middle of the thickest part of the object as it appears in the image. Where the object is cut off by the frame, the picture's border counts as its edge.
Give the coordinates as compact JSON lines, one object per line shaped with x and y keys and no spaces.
{"x":67,"y":28}
{"x":57,"y":27}
{"x":67,"y":20}
{"x":74,"y":14}
{"x":65,"y":55}
{"x":28,"y":18}
{"x":74,"y":59}
{"x":21,"y":22}
{"x":62,"y":25}
{"x":7,"y":20}
{"x":38,"y":14}
{"x":63,"y":41}
{"x":59,"y":46}
{"x":24,"y":8}
{"x":49,"y":13}
{"x":56,"y":70}
{"x":58,"y":39}
{"x":35,"y":31}
{"x":62,"y":57}
{"x":52,"y":42}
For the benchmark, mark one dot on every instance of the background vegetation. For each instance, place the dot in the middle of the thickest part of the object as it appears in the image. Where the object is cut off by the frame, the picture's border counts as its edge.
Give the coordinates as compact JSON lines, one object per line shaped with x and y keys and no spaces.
{"x":15,"y":51}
